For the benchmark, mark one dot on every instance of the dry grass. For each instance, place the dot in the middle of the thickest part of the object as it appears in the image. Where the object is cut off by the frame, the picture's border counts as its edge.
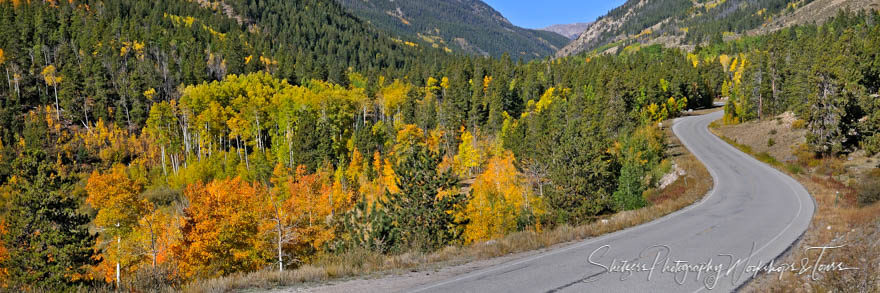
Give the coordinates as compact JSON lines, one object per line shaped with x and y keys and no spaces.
{"x":757,"y":135}
{"x":683,"y":192}
{"x":838,"y":220}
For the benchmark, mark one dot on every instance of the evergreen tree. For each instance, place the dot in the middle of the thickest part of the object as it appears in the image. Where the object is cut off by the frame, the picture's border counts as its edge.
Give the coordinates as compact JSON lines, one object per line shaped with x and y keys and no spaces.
{"x":422,"y":212}
{"x":47,"y":239}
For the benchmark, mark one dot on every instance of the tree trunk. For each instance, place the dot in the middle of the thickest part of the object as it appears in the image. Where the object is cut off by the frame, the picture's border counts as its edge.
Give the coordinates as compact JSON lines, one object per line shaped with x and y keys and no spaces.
{"x":57,"y":109}
{"x":289,"y":146}
{"x":773,"y":89}
{"x":280,"y":238}
{"x":238,"y":147}
{"x":164,"y":171}
{"x":247,"y":163}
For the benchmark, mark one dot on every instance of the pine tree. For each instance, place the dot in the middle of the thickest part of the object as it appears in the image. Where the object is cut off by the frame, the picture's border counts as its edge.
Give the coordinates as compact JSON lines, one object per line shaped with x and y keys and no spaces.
{"x":49,"y":246}
{"x":423,"y":210}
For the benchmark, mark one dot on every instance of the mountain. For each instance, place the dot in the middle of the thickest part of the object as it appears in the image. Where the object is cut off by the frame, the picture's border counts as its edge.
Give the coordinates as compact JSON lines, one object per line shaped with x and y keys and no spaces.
{"x":469,"y":26}
{"x":571,"y":31}
{"x":687,"y":23}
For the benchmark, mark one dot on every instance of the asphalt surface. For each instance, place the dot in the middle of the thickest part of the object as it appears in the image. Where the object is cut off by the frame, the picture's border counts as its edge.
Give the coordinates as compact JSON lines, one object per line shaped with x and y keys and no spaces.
{"x":753,"y":214}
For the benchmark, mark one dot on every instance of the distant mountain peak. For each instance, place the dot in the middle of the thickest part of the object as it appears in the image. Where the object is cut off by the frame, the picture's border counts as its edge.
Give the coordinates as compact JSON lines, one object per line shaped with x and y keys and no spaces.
{"x":571,"y":30}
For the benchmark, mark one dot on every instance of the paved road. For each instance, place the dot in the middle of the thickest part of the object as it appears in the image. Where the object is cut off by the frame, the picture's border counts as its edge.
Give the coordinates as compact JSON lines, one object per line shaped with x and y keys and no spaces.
{"x":752,"y":215}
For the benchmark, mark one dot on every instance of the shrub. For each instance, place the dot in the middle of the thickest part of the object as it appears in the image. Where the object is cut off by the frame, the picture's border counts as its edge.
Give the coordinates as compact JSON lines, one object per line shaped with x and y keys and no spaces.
{"x":798,"y":124}
{"x":869,"y":190}
{"x":831,"y":167}
{"x":773,"y":132}
{"x":767,"y":158}
{"x":771,"y":142}
{"x":805,"y":156}
{"x":872,"y":144}
{"x":793,"y":168}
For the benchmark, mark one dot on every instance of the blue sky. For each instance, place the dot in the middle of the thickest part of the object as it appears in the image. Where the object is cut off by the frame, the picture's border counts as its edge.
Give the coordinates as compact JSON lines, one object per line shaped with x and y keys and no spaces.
{"x":542,"y":13}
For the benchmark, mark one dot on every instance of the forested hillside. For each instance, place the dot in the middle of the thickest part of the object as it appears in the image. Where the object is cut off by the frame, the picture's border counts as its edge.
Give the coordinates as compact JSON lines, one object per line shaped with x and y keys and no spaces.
{"x":183,"y":141}
{"x":829,"y":76}
{"x":694,"y":22}
{"x":469,"y":26}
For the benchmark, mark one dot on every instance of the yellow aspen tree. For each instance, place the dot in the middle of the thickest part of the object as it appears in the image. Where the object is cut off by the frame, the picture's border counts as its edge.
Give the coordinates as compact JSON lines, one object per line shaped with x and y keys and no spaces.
{"x":222,"y":232}
{"x":740,"y":70}
{"x":389,"y":177}
{"x":310,"y":206}
{"x":498,"y":199}
{"x":355,"y":168}
{"x":116,"y":197}
{"x":407,"y":137}
{"x":695,"y":60}
{"x":52,"y":79}
{"x":154,"y":235}
{"x":486,"y":81}
{"x":545,"y":100}
{"x":725,"y":62}
{"x":431,"y":88}
{"x":468,"y":157}
{"x":392,"y":96}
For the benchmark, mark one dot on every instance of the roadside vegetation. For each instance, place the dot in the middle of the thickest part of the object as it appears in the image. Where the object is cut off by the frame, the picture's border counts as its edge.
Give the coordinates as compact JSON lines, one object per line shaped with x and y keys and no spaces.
{"x":687,"y":182}
{"x":845,"y":189}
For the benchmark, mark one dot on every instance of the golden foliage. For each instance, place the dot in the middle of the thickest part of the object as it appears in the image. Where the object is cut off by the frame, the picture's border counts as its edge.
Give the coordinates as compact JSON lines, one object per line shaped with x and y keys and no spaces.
{"x":392,"y":96}
{"x":150,"y":94}
{"x":468,"y":156}
{"x":221,"y":232}
{"x":314,"y":199}
{"x":695,"y":60}
{"x":498,"y":200}
{"x":725,"y":62}
{"x":116,"y":197}
{"x":486,"y":81}
{"x":50,"y":76}
{"x":546,"y":99}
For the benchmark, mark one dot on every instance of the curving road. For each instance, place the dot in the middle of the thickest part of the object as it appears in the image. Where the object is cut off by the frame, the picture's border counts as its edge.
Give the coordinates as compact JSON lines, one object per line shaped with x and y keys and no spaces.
{"x":752,"y":215}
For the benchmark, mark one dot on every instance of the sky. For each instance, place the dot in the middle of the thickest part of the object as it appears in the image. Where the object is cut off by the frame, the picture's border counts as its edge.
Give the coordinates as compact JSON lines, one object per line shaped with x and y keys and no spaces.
{"x":543,"y":13}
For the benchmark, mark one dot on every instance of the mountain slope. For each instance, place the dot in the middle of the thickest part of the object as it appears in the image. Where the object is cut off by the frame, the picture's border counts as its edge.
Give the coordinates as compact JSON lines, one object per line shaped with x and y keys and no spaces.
{"x":110,"y":51}
{"x":692,"y":22}
{"x":571,"y":30}
{"x":469,"y":26}
{"x":818,"y":11}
